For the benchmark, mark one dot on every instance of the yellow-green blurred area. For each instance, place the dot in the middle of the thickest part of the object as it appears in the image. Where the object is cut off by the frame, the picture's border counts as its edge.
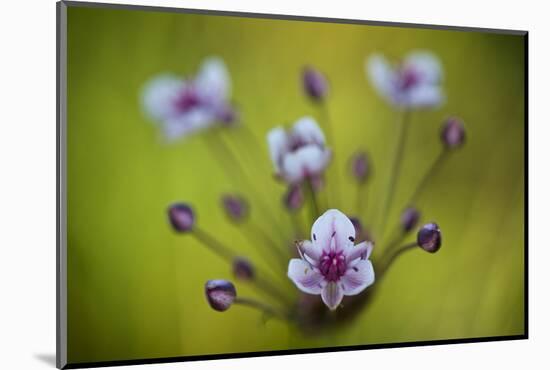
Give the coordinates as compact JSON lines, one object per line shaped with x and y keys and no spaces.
{"x":135,"y":288}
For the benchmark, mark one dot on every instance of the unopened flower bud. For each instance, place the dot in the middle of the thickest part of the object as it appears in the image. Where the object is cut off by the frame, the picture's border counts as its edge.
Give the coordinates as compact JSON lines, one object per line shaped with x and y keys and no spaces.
{"x":429,"y":237}
{"x":220,"y":294}
{"x":409,"y":219}
{"x":360,"y":232}
{"x":360,"y":166}
{"x":294,"y":198}
{"x":314,"y":83}
{"x":228,"y":115}
{"x":453,"y":134}
{"x":243,"y":269}
{"x":181,"y":217}
{"x":235,"y":207}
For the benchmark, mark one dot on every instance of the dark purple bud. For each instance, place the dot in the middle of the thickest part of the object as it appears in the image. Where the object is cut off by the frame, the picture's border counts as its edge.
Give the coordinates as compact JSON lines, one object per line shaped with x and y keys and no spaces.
{"x":243,"y":269}
{"x":429,"y":237}
{"x":235,"y":207}
{"x":220,"y":294}
{"x":315,"y":84}
{"x":409,"y":219}
{"x":360,"y":166}
{"x":453,"y":134}
{"x":181,"y":217}
{"x":294,"y":198}
{"x":228,"y":115}
{"x":361,"y":233}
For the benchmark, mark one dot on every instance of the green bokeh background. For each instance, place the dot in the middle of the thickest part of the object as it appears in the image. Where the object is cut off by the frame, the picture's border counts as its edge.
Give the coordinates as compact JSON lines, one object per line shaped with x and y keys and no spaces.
{"x":135,"y":288}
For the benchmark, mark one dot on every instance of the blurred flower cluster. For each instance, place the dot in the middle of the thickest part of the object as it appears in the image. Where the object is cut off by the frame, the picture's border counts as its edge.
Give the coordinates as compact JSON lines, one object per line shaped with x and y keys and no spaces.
{"x":337,"y":260}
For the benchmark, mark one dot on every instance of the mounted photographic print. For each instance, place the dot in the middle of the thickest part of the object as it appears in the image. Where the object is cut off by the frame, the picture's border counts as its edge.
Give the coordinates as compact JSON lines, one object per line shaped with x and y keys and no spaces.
{"x":236,"y":184}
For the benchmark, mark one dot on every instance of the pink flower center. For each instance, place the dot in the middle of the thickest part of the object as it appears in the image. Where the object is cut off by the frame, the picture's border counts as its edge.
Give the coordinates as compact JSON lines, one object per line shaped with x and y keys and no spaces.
{"x":333,"y":265}
{"x":187,"y":100}
{"x":408,"y":78}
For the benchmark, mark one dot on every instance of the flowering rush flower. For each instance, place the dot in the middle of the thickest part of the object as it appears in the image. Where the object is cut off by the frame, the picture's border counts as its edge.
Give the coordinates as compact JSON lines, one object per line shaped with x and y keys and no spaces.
{"x":299,"y":153}
{"x":415,"y":83}
{"x":330,"y":264}
{"x":183,"y":106}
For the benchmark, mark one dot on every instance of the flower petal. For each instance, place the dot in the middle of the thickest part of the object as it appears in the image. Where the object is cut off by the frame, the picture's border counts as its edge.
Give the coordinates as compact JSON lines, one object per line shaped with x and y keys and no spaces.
{"x":381,"y":75}
{"x":188,"y":123}
{"x":426,"y":65}
{"x":307,"y":131}
{"x":333,"y":223}
{"x":277,"y":140}
{"x":212,"y":81}
{"x":308,"y":280}
{"x":310,"y":251}
{"x":357,"y":278}
{"x":332,"y":295}
{"x":361,"y":250}
{"x":158,"y":96}
{"x":425,"y":95}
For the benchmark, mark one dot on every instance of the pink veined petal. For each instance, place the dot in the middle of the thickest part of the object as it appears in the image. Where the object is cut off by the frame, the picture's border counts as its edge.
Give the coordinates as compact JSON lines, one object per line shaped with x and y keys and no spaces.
{"x":332,"y":295}
{"x":308,"y":280}
{"x":308,"y":131}
{"x":333,"y":223}
{"x":361,"y":250}
{"x":357,"y":278}
{"x":309,"y":250}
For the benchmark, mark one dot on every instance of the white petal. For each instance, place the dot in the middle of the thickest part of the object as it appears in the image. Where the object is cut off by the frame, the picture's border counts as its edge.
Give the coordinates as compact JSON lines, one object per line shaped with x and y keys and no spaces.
{"x":424,"y":95}
{"x":381,"y":75}
{"x":361,"y":250}
{"x":277,"y":140}
{"x":188,"y":123}
{"x":306,"y":130}
{"x":212,"y":81}
{"x":332,"y":222}
{"x":332,"y":295}
{"x":309,"y":160}
{"x":158,"y":96}
{"x":357,"y":278}
{"x":310,"y":250}
{"x":306,"y":279}
{"x":426,"y":65}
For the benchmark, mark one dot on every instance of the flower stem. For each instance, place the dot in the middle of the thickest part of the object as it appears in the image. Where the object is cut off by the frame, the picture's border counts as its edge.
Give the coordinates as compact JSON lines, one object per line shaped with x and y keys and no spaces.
{"x":335,"y":194}
{"x":234,"y":169}
{"x":270,"y":243}
{"x":390,"y":256}
{"x":394,"y":171}
{"x":266,"y":309}
{"x":430,"y":173}
{"x":313,"y":201}
{"x":227,"y":254}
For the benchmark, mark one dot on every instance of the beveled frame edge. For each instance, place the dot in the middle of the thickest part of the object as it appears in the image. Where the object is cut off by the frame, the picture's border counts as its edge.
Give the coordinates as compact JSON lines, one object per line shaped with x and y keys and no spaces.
{"x":61,"y":188}
{"x":61,"y":259}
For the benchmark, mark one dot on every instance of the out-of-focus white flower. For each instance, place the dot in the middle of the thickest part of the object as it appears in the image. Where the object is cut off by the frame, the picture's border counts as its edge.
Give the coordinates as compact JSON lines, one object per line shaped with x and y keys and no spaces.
{"x":183,"y":106}
{"x":330,"y":264}
{"x":415,"y":83}
{"x":298,"y":153}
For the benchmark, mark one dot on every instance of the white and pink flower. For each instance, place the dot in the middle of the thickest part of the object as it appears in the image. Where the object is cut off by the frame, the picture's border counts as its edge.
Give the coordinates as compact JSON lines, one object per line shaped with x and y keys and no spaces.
{"x":298,"y":153}
{"x":331,"y":264}
{"x":183,"y":106}
{"x":415,"y":83}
